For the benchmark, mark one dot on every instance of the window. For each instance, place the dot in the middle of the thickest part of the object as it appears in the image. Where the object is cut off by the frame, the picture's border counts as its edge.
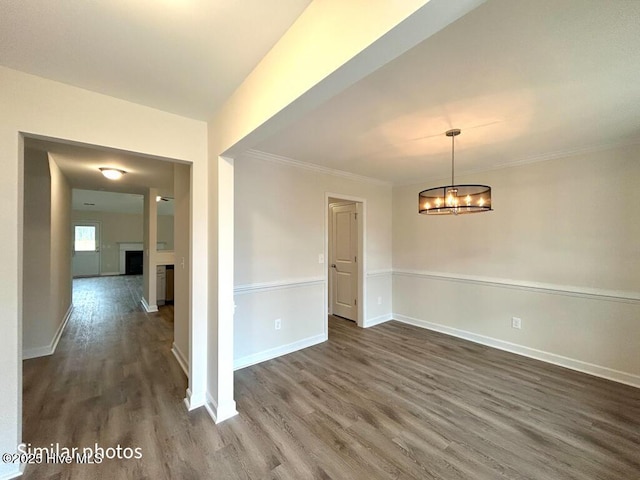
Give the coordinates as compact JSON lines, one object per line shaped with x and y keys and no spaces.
{"x":85,"y":238}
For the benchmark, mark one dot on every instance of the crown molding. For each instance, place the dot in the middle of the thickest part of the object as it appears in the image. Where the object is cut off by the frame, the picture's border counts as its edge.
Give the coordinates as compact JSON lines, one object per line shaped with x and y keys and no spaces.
{"x":270,"y":157}
{"x":545,"y":157}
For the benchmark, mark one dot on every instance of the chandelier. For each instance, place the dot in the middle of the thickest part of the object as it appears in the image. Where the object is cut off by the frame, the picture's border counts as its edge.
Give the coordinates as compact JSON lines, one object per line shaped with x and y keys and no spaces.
{"x":454,"y":199}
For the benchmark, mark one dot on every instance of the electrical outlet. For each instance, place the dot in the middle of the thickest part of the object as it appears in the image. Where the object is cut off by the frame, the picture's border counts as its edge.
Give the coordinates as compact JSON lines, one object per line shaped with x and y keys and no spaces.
{"x":278,"y":324}
{"x":379,"y":300}
{"x":516,"y":322}
{"x":320,"y":258}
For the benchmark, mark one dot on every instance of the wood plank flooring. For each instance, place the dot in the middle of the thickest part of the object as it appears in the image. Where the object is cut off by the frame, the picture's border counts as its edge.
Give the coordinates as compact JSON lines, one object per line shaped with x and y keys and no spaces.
{"x":390,"y":402}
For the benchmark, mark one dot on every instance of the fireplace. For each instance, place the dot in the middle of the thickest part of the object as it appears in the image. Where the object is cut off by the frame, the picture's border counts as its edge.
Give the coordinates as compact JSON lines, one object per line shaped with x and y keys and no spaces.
{"x":133,"y":262}
{"x":130,"y":248}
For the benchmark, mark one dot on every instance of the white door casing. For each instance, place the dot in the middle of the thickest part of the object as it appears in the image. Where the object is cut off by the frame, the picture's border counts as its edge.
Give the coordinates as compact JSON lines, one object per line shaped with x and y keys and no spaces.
{"x":343,"y":261}
{"x":86,"y":249}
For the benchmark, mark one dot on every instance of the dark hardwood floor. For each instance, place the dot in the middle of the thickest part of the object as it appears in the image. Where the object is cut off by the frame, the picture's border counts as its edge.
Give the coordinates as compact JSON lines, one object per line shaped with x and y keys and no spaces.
{"x":392,"y":401}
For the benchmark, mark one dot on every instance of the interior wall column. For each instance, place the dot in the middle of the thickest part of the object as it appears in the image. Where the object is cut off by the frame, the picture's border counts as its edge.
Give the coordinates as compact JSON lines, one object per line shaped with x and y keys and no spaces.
{"x":221,"y":402}
{"x":199,"y":267}
{"x":150,"y":245}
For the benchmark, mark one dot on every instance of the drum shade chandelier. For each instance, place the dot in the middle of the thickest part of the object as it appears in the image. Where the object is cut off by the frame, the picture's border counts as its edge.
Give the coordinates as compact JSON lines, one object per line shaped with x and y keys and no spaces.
{"x":454,"y":199}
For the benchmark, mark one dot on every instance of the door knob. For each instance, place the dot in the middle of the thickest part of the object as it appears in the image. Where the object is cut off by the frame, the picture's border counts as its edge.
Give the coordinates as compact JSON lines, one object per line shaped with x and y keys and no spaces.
{"x":333,"y":265}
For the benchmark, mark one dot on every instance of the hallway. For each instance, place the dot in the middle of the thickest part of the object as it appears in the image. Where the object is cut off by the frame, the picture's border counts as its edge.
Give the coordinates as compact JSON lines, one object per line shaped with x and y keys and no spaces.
{"x":113,"y":381}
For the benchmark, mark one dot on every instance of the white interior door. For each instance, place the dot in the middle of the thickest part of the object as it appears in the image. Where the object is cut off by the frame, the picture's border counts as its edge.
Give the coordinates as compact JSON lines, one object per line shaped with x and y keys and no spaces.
{"x":86,"y":249}
{"x":344,"y":269}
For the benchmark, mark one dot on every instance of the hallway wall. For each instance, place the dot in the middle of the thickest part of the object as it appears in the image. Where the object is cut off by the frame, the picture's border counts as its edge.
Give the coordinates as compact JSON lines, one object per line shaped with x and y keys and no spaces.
{"x":182,"y":271}
{"x":61,"y":240}
{"x":47,"y":260}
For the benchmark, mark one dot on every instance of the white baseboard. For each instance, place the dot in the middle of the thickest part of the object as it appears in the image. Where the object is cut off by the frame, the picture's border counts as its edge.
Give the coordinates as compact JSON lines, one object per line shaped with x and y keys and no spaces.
{"x":212,"y":406}
{"x":61,"y":328}
{"x":194,"y":401}
{"x":217,"y":414}
{"x":51,"y":348}
{"x":182,"y":361}
{"x":148,"y":308}
{"x":578,"y":365}
{"x":109,"y":274}
{"x":278,"y":351}
{"x":377,"y":320}
{"x":187,"y":400}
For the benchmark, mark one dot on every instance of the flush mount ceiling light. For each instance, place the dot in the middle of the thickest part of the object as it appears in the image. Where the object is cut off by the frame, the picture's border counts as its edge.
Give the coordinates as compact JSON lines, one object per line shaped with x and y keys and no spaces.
{"x":454,"y":199}
{"x":112,"y":173}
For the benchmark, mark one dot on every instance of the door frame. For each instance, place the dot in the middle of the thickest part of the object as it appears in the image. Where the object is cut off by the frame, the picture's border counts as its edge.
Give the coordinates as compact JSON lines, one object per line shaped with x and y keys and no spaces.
{"x":197,"y":368}
{"x":361,"y":209}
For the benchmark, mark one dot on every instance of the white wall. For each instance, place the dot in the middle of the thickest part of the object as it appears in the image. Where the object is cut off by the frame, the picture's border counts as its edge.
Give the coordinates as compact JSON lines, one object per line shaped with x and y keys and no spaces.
{"x":34,"y":105}
{"x":182,"y":278}
{"x":280,"y":214}
{"x":560,"y":251}
{"x":60,"y":265}
{"x":119,"y":228}
{"x":37,"y":246}
{"x":47,"y":262}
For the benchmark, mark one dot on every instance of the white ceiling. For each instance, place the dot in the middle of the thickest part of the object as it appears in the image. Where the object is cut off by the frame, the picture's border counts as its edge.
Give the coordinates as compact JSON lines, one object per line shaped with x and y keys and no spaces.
{"x":81,"y":165}
{"x":181,"y":56}
{"x":96,"y":201}
{"x":524,"y":80}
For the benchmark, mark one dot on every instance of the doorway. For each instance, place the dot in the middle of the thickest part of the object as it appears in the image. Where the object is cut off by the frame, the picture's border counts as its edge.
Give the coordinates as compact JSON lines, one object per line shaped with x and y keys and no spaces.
{"x":56,"y":247}
{"x":346,"y":259}
{"x":86,"y":249}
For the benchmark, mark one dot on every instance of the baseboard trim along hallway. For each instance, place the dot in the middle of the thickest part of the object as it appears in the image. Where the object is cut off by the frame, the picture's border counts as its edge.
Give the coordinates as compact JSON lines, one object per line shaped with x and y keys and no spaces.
{"x":182,"y":360}
{"x":51,"y":348}
{"x":278,"y":351}
{"x":148,"y":308}
{"x":552,"y":358}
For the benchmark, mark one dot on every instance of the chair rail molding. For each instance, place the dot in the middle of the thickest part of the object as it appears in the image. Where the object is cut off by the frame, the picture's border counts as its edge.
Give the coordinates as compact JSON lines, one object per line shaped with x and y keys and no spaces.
{"x":549,"y":288}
